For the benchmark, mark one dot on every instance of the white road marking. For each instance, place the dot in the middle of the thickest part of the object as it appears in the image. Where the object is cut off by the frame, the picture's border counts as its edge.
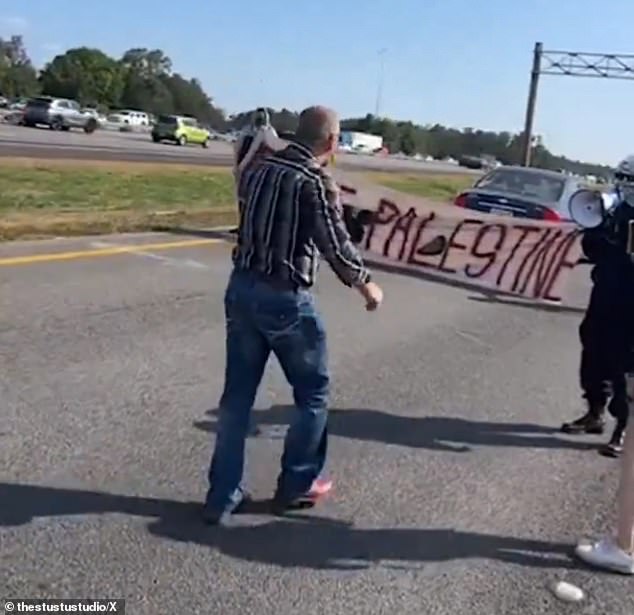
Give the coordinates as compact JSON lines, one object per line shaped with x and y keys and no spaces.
{"x":166,"y":260}
{"x":471,"y":337}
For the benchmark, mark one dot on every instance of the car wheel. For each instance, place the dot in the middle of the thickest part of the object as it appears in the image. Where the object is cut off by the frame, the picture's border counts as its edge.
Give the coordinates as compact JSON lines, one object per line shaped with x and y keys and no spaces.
{"x":205,"y":143}
{"x":66,"y":128}
{"x":182,"y":140}
{"x":155,"y":139}
{"x":90,"y":126}
{"x":56,"y":123}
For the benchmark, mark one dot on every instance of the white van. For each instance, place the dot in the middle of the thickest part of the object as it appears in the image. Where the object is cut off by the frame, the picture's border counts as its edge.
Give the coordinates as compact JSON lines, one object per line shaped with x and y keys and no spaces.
{"x":130,"y":117}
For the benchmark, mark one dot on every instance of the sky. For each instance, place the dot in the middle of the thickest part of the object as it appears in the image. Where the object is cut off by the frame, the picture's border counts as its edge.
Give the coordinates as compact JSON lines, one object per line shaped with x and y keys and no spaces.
{"x":460,"y":63}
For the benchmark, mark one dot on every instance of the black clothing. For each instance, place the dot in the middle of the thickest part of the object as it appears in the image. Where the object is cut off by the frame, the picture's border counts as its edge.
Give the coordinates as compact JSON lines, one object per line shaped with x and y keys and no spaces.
{"x":609,"y":321}
{"x":607,"y":330}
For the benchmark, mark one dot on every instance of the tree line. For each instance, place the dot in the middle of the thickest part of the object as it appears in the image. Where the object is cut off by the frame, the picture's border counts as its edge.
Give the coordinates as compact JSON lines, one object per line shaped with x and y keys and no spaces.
{"x":141,"y":79}
{"x":442,"y":142}
{"x":145,"y":79}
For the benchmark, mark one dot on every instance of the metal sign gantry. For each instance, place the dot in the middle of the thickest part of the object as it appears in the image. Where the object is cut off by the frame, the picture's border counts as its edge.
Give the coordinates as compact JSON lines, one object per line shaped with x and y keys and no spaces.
{"x":570,"y":64}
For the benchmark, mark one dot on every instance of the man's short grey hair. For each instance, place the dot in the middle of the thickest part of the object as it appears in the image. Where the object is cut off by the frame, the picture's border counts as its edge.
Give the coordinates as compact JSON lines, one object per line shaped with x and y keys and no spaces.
{"x":316,"y":124}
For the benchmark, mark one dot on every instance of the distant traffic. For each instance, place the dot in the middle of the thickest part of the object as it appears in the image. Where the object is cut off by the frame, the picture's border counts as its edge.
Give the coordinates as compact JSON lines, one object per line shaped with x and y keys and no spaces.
{"x":61,"y":114}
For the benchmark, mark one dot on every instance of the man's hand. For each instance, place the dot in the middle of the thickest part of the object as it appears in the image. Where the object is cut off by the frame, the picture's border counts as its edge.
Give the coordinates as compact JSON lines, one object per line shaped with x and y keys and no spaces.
{"x":372,"y":294}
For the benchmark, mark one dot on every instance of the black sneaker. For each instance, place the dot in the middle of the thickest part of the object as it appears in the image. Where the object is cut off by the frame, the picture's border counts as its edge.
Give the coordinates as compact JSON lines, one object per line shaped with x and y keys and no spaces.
{"x":614,"y":447}
{"x":319,"y":489}
{"x":589,"y":423}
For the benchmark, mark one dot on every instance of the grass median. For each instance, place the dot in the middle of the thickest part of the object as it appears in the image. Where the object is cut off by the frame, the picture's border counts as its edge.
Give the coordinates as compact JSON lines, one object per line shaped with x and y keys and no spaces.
{"x":44,"y":198}
{"x":40,"y":198}
{"x":434,"y":186}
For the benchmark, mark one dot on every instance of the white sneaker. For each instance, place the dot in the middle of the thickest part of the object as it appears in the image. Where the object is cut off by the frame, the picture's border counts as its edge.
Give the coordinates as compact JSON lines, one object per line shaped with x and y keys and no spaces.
{"x":605,"y":554}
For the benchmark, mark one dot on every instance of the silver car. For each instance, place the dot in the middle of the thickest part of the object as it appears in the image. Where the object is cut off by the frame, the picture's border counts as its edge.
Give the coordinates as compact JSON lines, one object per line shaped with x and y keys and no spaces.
{"x":522,"y":192}
{"x":58,"y":114}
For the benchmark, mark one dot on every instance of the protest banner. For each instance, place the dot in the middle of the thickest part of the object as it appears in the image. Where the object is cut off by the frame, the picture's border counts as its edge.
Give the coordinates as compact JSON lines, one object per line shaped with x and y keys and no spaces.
{"x":528,"y":258}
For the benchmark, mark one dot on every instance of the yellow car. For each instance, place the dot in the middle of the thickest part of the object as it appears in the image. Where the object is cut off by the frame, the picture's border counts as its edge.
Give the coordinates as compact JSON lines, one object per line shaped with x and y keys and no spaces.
{"x":181,"y":130}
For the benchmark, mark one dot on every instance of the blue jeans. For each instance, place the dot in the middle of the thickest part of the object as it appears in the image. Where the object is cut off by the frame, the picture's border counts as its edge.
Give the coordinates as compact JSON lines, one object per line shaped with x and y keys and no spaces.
{"x":262,"y":318}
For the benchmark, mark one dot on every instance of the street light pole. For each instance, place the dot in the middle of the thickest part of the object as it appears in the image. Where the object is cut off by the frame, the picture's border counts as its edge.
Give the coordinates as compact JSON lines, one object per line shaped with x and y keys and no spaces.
{"x":379,"y":89}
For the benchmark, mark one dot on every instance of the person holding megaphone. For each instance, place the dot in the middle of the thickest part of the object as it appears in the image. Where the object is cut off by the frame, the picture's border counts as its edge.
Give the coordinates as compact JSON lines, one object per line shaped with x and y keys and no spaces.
{"x":602,"y":379}
{"x":609,"y":243}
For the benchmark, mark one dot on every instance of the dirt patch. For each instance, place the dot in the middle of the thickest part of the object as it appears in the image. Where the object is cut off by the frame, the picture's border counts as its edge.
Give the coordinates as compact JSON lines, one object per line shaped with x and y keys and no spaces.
{"x":68,"y":224}
{"x":112,"y":165}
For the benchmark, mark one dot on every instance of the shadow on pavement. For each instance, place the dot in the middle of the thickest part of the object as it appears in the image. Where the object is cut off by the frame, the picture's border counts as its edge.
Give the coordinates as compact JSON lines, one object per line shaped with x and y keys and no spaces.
{"x":544,"y":307}
{"x":434,"y":433}
{"x":295,"y":541}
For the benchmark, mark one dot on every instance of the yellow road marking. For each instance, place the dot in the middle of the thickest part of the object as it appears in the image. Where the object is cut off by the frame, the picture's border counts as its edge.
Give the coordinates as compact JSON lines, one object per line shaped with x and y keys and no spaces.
{"x":110,"y":251}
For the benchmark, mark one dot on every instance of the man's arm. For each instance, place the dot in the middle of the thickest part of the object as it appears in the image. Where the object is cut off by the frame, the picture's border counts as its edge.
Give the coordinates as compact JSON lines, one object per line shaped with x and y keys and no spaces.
{"x":329,"y":231}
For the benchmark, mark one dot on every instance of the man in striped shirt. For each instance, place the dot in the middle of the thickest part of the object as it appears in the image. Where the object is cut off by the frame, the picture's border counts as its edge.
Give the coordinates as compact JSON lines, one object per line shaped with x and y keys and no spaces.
{"x":289,"y":216}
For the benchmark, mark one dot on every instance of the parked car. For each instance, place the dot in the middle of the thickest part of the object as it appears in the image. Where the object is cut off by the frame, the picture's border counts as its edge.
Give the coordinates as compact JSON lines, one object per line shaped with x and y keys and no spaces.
{"x":58,"y":114}
{"x":181,"y":130}
{"x":522,"y":192}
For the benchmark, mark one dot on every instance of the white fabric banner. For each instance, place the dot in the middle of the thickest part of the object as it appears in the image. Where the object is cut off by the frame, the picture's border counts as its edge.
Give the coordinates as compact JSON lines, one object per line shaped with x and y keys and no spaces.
{"x":523,"y":257}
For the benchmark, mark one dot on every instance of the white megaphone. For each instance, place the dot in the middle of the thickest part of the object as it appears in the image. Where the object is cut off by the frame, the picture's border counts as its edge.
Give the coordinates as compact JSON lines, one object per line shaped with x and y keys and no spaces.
{"x":588,"y":207}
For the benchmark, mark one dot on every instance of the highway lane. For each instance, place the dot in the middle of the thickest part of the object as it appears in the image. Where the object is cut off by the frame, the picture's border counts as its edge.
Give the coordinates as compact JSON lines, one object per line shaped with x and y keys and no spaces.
{"x":453,"y":495}
{"x":18,"y":141}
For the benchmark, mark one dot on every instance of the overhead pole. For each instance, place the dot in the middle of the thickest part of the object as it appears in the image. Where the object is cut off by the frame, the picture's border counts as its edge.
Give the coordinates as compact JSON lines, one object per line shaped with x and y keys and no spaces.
{"x":570,"y":64}
{"x":527,"y":145}
{"x":379,"y":88}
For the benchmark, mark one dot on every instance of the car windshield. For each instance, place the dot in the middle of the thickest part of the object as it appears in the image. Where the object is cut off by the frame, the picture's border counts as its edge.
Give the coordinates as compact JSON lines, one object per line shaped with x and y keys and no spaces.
{"x":167,"y":119}
{"x":529,"y":184}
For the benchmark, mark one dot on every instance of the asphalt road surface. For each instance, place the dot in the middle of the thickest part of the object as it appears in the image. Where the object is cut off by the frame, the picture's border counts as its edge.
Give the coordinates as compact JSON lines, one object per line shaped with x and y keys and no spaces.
{"x":454,"y":495}
{"x":18,"y":141}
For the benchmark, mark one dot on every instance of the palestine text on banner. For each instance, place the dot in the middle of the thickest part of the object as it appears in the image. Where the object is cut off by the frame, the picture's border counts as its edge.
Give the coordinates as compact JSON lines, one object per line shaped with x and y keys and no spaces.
{"x":523,"y":257}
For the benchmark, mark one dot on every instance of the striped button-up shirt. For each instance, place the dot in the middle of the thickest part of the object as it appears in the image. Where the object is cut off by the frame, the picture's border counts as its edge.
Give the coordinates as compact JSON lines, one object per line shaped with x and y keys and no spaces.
{"x":289,"y":214}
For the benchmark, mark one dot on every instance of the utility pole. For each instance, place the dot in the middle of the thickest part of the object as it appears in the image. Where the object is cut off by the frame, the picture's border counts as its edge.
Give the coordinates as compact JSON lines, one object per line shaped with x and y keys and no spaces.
{"x":379,"y":89}
{"x":527,"y":145}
